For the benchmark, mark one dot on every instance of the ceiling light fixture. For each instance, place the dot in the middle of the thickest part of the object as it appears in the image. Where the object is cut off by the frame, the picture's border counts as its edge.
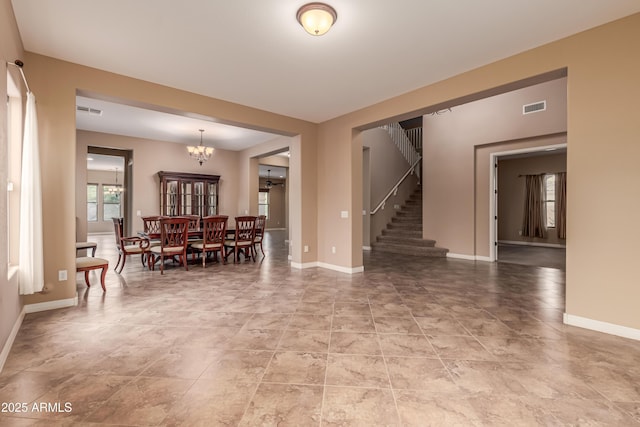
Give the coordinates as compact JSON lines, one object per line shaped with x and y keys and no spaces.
{"x":200,"y":152}
{"x":316,"y":18}
{"x":115,"y":189}
{"x":268,"y":183}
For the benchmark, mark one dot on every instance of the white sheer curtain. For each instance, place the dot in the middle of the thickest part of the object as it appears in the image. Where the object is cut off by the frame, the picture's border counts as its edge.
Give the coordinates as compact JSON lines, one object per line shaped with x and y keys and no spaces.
{"x":31,"y":271}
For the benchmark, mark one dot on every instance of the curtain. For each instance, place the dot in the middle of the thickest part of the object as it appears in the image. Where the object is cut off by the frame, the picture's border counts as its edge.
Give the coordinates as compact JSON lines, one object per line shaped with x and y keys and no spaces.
{"x":533,"y":221}
{"x":31,"y":269}
{"x":561,"y":205}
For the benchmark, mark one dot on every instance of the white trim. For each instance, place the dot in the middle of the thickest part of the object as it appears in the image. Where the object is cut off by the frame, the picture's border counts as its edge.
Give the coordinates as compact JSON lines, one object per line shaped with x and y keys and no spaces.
{"x":461,"y":256}
{"x":493,"y":208}
{"x":51,"y":305}
{"x":597,"y":325}
{"x":542,"y":245}
{"x":366,"y":248}
{"x":11,"y":338}
{"x":469,"y":257}
{"x":12,"y":273}
{"x":338,"y":268}
{"x":347,"y":270}
{"x":301,"y":266}
{"x":275,"y":229}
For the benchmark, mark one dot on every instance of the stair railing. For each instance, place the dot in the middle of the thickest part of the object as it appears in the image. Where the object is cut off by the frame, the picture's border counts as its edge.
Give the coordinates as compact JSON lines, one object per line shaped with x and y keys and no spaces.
{"x":406,"y":146}
{"x":394,"y":189}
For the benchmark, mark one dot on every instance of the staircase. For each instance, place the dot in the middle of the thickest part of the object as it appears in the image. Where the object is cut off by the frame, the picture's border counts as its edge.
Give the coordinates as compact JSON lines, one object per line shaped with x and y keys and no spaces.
{"x":404,"y":234}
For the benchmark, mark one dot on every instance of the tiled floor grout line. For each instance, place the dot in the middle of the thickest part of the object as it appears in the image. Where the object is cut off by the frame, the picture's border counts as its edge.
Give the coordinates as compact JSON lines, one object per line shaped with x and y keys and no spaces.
{"x":326,"y":366}
{"x":386,"y":367}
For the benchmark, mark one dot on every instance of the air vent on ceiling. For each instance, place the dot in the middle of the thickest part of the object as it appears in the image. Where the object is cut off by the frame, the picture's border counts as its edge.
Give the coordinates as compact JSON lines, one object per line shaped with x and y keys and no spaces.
{"x":89,"y":110}
{"x":534,"y":107}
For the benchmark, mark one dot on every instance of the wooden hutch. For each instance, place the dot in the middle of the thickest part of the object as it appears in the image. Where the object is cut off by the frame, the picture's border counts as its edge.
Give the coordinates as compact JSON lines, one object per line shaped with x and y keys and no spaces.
{"x":188,"y":194}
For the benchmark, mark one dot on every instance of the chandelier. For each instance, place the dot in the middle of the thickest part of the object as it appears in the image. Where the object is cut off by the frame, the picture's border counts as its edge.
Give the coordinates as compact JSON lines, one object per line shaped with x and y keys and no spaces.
{"x":200,"y":152}
{"x":115,"y":189}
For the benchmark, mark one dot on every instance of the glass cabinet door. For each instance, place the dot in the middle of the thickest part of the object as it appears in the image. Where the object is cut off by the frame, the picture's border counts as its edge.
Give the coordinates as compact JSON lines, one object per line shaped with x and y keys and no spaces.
{"x":212,"y":199}
{"x":198,"y":199}
{"x":171,"y":207}
{"x":186,"y":198}
{"x":188,"y":194}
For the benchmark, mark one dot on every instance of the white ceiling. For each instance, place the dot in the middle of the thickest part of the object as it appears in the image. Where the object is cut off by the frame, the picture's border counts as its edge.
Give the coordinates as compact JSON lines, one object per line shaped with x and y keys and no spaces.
{"x":126,"y":120}
{"x":255,"y":53}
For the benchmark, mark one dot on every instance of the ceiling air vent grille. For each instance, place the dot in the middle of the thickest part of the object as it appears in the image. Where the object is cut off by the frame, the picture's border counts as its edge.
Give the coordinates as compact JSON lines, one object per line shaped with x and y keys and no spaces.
{"x":89,"y":110}
{"x":534,"y":108}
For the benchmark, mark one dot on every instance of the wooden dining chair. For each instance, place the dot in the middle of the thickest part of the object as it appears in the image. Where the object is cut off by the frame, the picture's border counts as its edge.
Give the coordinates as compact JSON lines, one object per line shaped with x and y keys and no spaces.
{"x":128,"y":245}
{"x":214,"y":230}
{"x":261,"y":222}
{"x":174,"y":233}
{"x":151,"y":227}
{"x":243,"y":239}
{"x":195,"y":230}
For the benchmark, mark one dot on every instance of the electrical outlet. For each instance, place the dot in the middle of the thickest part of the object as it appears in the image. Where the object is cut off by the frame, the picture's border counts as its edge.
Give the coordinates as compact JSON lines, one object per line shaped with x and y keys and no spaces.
{"x":344,"y":214}
{"x":333,"y":249}
{"x":62,"y":275}
{"x":306,"y":248}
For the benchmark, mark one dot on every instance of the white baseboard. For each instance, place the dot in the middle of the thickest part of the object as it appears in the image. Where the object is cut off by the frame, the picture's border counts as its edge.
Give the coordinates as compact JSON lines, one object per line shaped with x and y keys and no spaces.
{"x":542,"y":245}
{"x":597,"y":325}
{"x":461,"y":256}
{"x":11,"y":338}
{"x":470,"y":257}
{"x":366,"y":248}
{"x":302,"y":266}
{"x":51,"y":305}
{"x":339,"y":268}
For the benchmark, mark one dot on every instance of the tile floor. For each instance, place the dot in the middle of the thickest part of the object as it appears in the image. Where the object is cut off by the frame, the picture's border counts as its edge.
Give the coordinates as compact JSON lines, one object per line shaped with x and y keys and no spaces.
{"x":410,"y":341}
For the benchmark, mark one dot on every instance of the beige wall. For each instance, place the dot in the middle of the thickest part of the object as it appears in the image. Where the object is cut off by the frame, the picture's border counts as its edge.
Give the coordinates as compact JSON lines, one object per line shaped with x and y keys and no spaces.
{"x":456,"y":165}
{"x":326,"y":170}
{"x":386,"y":166}
{"x":101,"y":178}
{"x":10,"y":50}
{"x":511,"y":194}
{"x":56,"y":82}
{"x":150,"y":157}
{"x":602,"y":92}
{"x":277,"y":203}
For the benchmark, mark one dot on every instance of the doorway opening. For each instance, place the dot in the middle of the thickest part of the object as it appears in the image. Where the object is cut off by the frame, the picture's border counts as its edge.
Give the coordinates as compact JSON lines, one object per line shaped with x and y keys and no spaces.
{"x":509,"y":242}
{"x":108,"y":188}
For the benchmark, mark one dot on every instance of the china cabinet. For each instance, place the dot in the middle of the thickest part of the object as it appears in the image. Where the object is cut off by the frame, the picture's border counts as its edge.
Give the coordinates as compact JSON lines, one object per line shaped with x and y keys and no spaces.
{"x":188,"y":194}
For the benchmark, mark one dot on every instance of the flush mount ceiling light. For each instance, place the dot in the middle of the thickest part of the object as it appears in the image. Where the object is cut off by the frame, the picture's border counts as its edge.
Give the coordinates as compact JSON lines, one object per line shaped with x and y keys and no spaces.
{"x":316,"y":18}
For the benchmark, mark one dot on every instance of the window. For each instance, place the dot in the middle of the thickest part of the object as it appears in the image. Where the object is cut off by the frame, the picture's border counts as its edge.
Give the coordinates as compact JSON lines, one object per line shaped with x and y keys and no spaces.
{"x":550,"y":200}
{"x":111,"y":202}
{"x":263,"y":203}
{"x":92,"y":202}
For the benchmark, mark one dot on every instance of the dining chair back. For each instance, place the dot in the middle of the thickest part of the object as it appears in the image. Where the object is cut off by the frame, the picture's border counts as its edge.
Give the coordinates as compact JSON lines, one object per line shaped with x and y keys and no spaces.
{"x":151,"y":226}
{"x":243,"y":238}
{"x":214,"y":230}
{"x":174,"y":233}
{"x":261,"y":222}
{"x":128,"y":245}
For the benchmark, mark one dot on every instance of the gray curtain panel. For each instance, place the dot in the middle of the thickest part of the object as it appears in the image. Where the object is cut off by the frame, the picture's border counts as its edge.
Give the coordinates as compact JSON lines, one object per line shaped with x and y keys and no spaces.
{"x":533,"y":221}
